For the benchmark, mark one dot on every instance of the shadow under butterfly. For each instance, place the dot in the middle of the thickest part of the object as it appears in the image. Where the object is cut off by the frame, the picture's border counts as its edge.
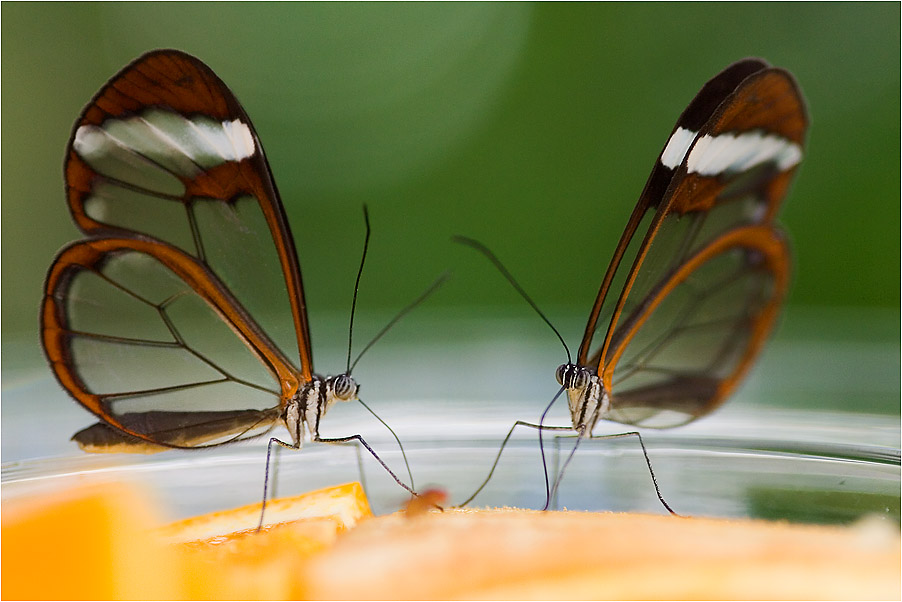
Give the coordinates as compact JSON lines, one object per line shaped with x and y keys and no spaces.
{"x":706,"y":268}
{"x":164,"y":320}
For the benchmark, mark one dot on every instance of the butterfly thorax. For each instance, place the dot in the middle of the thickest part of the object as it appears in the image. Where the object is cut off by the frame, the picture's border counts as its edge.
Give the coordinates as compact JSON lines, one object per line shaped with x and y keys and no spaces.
{"x":586,"y":396}
{"x":313,"y":400}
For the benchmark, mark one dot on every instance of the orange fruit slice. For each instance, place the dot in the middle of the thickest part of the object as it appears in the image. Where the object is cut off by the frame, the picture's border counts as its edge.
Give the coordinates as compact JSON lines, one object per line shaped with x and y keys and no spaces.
{"x":344,"y":505}
{"x":223,"y":556}
{"x":502,"y":554}
{"x":85,"y":543}
{"x":102,"y":542}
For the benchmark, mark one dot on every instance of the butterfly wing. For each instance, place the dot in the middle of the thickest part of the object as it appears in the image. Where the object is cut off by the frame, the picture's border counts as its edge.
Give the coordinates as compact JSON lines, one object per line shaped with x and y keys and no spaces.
{"x":166,"y":176}
{"x":706,"y":279}
{"x":686,"y":347}
{"x":694,"y":117}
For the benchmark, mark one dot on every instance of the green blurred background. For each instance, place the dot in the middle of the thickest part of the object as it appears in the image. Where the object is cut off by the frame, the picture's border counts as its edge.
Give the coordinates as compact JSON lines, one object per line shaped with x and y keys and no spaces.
{"x":530,"y":126}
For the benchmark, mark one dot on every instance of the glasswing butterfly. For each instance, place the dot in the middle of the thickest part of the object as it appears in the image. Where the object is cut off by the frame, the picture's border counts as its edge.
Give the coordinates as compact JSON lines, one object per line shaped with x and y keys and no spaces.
{"x":705,"y":267}
{"x":147,"y":322}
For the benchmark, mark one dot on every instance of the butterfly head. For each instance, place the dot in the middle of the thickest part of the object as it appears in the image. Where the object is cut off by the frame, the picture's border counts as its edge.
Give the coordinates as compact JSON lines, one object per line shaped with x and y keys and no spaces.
{"x":342,"y":387}
{"x":586,"y":396}
{"x":572,"y":376}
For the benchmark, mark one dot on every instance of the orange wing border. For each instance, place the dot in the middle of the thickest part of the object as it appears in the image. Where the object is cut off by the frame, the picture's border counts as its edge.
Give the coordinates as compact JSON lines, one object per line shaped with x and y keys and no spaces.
{"x":90,"y":255}
{"x":764,"y":239}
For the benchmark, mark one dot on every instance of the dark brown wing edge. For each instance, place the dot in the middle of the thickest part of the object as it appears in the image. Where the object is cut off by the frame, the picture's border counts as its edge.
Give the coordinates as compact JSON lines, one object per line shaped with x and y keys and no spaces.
{"x":173,"y":430}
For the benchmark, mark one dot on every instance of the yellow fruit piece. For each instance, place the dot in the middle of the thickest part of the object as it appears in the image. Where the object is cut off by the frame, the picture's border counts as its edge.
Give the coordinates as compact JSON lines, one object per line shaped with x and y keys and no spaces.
{"x":221,"y":558}
{"x":97,"y":543}
{"x":103,"y":542}
{"x":255,"y":566}
{"x":86,"y":543}
{"x":346,"y":503}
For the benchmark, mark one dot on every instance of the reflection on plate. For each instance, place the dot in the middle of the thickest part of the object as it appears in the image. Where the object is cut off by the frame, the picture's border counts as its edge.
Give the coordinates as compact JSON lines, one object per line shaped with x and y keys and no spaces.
{"x":823,"y":468}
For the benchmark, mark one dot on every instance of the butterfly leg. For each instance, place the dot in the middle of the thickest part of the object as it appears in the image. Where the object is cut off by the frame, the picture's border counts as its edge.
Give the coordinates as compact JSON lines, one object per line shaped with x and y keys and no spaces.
{"x":266,"y":473}
{"x":393,"y":434}
{"x":539,"y":428}
{"x":651,"y":471}
{"x":580,"y":435}
{"x":557,"y":465}
{"x":366,"y":445}
{"x":360,"y":470}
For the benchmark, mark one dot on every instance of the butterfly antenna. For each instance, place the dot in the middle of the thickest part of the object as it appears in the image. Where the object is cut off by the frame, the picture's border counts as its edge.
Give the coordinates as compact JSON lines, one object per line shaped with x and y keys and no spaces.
{"x":425,"y":295}
{"x":366,"y":244}
{"x":510,"y":278}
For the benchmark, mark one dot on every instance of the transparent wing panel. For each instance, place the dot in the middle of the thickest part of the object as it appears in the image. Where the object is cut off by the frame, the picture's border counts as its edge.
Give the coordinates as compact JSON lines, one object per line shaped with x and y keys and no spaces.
{"x":115,"y":203}
{"x":144,"y":341}
{"x":672,"y":365}
{"x":613,"y":293}
{"x":239,"y":249}
{"x":162,"y":147}
{"x":141,"y":164}
{"x":677,"y":238}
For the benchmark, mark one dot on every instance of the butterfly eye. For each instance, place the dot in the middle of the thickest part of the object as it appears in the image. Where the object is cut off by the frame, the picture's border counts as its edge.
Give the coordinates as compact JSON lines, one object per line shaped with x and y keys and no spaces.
{"x":579,"y":378}
{"x":561,"y":373}
{"x":572,"y":376}
{"x":344,"y":387}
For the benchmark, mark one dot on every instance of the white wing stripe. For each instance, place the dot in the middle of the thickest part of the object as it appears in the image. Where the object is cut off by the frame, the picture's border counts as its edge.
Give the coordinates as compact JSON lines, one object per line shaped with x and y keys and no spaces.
{"x":729,"y":153}
{"x":676,"y":147}
{"x":181,"y":145}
